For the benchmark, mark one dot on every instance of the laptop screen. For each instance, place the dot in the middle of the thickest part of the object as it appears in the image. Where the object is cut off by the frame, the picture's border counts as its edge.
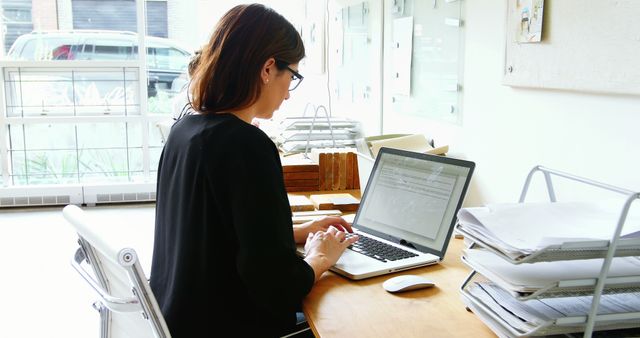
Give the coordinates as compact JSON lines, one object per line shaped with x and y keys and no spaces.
{"x":413,"y":198}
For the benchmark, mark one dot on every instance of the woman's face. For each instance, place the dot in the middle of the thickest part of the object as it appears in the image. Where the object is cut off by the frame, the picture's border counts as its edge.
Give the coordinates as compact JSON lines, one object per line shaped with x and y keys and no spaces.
{"x":275,"y":91}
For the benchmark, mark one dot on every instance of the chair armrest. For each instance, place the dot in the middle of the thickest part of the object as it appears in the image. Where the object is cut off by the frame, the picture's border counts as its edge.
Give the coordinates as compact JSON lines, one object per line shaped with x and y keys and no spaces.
{"x":115,"y":304}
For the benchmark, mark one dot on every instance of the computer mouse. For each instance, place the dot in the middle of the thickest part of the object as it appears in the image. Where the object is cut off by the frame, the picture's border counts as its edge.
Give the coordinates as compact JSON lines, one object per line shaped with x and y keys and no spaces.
{"x":406,"y":283}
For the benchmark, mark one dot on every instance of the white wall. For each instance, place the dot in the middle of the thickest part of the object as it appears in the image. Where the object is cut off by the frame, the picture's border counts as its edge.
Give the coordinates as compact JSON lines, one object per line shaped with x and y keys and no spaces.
{"x":506,"y":130}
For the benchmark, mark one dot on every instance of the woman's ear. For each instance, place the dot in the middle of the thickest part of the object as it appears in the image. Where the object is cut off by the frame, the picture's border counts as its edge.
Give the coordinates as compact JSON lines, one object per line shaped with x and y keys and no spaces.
{"x":268,"y":69}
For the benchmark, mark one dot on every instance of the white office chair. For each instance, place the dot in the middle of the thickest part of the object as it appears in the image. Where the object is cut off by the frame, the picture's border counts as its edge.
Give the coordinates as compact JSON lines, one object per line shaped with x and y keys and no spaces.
{"x":164,"y":127}
{"x":126,"y":303}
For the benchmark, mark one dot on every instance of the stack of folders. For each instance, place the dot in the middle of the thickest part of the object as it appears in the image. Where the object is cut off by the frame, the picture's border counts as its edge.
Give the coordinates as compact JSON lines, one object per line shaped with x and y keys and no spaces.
{"x":563,"y":244}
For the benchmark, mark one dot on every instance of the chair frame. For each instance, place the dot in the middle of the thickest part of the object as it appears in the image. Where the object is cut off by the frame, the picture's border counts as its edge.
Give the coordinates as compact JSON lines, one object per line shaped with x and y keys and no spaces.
{"x":143,"y":300}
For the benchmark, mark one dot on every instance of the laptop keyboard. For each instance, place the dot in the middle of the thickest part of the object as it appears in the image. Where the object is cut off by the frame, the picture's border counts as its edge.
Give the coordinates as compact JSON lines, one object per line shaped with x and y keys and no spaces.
{"x":378,"y":250}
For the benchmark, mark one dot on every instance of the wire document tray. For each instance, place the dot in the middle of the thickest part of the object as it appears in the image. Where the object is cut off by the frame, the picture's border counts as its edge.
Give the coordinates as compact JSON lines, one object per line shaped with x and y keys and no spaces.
{"x":477,"y":289}
{"x":558,"y":288}
{"x":566,"y":251}
{"x":563,"y":325}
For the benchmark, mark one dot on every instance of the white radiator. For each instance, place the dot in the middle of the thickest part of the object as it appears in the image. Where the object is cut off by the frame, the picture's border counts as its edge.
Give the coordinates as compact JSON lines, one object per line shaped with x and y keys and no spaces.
{"x":119,"y":193}
{"x":24,"y":196}
{"x":89,"y":194}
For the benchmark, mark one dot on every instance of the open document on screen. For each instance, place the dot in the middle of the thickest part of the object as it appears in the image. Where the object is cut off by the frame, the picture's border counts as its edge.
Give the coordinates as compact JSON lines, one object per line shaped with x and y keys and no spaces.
{"x":412,"y":198}
{"x":402,"y":196}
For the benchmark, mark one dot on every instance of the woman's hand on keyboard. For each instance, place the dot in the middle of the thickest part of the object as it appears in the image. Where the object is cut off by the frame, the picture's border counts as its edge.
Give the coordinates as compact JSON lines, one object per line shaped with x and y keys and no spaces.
{"x":324,"y":248}
{"x":302,"y":231}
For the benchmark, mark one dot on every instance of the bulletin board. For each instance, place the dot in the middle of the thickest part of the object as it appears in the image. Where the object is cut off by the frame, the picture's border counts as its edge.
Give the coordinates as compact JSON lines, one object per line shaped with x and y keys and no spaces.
{"x":587,"y":45}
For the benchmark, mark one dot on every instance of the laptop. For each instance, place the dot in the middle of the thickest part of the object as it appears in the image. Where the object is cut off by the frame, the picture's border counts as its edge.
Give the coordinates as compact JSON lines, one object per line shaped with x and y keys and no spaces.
{"x":407,"y":213}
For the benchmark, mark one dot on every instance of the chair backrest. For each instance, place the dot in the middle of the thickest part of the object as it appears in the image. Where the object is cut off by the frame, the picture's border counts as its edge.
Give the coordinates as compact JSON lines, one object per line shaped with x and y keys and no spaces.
{"x":126,"y":303}
{"x":164,"y":127}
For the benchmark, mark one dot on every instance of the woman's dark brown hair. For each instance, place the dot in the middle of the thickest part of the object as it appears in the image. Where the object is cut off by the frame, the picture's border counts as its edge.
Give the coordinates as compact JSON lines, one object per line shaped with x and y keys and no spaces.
{"x":228,"y":74}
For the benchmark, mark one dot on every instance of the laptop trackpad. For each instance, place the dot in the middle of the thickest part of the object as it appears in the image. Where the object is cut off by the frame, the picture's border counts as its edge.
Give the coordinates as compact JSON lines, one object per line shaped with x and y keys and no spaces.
{"x":354,"y":261}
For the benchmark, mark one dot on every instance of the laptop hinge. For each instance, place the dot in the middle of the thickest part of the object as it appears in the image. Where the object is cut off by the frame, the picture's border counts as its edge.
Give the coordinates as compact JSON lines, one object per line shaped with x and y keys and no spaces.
{"x":407,"y":244}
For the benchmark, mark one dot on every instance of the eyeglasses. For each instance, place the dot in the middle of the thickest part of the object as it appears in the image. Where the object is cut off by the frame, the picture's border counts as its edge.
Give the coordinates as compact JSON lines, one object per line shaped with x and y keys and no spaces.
{"x":296,"y":78}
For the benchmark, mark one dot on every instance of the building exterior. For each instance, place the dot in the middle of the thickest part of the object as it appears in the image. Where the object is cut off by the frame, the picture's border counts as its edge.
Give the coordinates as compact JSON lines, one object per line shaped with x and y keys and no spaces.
{"x":23,"y":16}
{"x":16,"y":20}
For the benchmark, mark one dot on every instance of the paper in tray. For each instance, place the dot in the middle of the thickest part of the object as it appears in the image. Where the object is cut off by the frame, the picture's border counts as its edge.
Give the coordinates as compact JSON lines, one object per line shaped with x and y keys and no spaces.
{"x":554,"y":279}
{"x":566,"y":251}
{"x":535,"y":318}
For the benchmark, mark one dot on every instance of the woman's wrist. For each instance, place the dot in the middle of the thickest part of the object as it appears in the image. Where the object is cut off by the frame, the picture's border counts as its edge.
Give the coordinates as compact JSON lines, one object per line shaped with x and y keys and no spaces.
{"x":319,"y":263}
{"x":300,"y":234}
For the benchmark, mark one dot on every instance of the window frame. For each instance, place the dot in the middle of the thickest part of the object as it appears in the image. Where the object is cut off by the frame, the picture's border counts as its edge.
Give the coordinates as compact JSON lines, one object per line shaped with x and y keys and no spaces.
{"x":144,"y":118}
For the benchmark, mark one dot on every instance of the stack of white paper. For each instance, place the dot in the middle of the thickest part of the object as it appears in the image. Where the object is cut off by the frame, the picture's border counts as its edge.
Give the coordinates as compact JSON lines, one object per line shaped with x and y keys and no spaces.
{"x":525,"y":279}
{"x":527,"y":316}
{"x":519,"y":229}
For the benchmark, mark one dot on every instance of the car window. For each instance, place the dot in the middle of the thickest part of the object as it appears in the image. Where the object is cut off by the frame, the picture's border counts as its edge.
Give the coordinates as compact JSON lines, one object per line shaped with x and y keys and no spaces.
{"x":107,"y":49}
{"x":84,"y":52}
{"x":112,"y":52}
{"x":40,"y":49}
{"x":28,"y":51}
{"x":151,"y":57}
{"x":170,"y":58}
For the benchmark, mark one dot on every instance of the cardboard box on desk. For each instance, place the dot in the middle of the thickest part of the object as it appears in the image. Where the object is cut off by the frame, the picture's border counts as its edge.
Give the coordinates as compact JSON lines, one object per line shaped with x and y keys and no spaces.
{"x":415,"y":142}
{"x":369,"y":147}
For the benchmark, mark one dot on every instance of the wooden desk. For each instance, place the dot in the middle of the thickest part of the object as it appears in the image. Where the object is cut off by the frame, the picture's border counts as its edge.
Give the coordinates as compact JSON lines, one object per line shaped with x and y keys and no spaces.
{"x":339,"y":307}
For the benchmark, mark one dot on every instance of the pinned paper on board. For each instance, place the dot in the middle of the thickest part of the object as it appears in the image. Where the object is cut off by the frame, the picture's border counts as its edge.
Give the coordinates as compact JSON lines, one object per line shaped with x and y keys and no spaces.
{"x":312,"y":33}
{"x":529,"y":20}
{"x":402,"y":53}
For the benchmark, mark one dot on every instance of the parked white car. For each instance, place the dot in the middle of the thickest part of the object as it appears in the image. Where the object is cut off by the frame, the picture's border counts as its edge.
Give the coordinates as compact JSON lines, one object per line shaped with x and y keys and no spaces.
{"x":165,"y":59}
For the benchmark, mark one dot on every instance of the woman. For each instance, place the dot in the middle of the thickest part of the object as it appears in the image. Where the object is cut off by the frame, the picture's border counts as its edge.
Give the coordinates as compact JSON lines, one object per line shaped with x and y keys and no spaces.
{"x":224,"y":255}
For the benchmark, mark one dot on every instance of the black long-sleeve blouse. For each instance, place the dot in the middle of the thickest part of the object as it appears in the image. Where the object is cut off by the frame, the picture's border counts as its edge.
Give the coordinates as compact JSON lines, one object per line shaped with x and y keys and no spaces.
{"x":224,"y":253}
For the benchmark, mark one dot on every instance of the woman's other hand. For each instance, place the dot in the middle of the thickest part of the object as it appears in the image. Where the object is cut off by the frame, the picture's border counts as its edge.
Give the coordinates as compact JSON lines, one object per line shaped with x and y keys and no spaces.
{"x":302,"y":231}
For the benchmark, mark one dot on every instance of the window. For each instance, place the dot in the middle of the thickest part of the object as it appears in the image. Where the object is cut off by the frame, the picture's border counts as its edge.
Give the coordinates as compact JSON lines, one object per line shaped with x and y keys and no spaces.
{"x":103,"y":142}
{"x":87,"y":119}
{"x":17,"y":15}
{"x":16,"y":20}
{"x":82,"y":122}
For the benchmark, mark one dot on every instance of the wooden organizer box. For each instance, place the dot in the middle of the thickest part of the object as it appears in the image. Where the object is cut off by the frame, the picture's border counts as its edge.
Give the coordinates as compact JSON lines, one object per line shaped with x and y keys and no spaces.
{"x":338,"y":169}
{"x":300,"y":173}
